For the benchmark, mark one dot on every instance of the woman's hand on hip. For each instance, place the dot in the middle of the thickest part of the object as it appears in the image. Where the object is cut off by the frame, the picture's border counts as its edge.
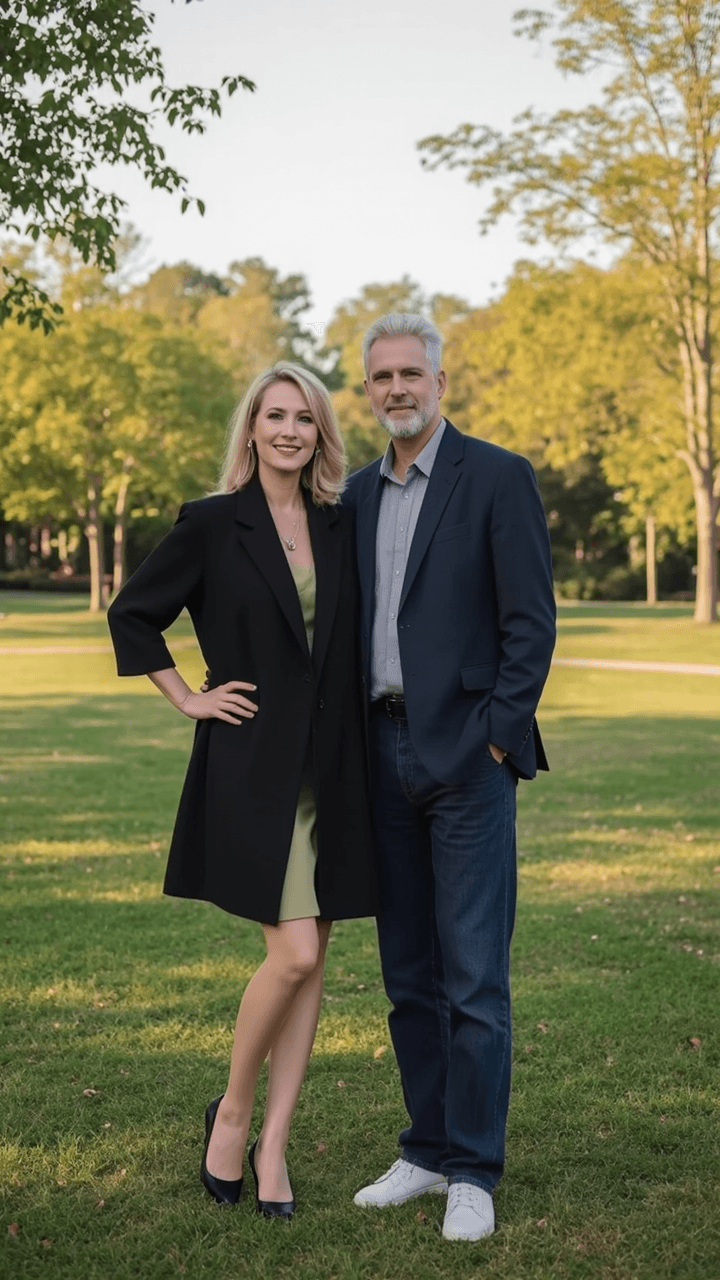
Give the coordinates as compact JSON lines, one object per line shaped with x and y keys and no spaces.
{"x":225,"y":702}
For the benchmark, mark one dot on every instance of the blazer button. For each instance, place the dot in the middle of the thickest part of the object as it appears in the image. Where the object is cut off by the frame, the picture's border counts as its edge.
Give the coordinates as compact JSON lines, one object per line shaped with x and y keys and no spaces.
{"x":306,"y":679}
{"x":321,"y":705}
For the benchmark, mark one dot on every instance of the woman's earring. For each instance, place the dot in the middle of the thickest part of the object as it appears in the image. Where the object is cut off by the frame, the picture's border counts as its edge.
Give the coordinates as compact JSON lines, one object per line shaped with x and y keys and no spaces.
{"x":250,"y":443}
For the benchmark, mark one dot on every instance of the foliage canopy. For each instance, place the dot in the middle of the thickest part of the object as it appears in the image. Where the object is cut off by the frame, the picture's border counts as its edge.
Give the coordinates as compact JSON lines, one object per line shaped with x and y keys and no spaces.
{"x":65,"y":110}
{"x":640,"y":167}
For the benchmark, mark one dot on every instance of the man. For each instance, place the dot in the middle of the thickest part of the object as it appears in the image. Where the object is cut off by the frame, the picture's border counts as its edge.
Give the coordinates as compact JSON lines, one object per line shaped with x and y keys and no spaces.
{"x":458,"y":627}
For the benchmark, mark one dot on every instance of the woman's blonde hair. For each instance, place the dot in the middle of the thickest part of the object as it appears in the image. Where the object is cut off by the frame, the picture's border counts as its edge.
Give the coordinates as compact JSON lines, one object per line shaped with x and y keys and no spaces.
{"x":324,"y":475}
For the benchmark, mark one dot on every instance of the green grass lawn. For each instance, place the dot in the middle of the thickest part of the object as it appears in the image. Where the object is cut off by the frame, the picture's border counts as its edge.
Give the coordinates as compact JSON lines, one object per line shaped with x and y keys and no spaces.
{"x":118,"y":1004}
{"x":662,"y":634}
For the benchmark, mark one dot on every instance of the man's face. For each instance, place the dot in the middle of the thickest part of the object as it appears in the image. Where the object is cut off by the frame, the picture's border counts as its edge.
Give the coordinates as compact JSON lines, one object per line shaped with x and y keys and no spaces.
{"x":403,"y":388}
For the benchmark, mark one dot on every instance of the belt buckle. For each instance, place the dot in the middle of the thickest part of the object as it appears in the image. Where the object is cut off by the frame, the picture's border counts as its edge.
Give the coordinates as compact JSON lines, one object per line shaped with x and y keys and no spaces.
{"x":393,"y":702}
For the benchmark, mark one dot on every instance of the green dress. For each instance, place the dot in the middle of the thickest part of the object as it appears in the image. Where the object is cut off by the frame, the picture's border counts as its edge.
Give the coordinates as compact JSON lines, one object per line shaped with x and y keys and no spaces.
{"x":299,"y":900}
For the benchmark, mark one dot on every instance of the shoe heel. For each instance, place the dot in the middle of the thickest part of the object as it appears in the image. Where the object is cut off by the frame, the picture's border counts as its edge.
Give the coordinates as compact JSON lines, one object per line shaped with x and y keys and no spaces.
{"x":269,"y":1208}
{"x":222,"y":1190}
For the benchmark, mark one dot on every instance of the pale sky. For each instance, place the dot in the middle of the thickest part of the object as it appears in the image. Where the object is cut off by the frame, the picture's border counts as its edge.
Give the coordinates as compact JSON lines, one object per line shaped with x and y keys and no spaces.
{"x":317,"y":172}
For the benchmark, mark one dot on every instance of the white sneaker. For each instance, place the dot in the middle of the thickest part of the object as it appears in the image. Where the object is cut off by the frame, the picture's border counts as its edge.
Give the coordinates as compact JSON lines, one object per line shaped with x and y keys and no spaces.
{"x":470,"y":1214}
{"x":403,"y":1181}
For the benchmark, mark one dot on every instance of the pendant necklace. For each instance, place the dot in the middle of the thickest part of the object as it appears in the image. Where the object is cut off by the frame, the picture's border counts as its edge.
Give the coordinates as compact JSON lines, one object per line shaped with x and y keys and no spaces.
{"x":290,"y":542}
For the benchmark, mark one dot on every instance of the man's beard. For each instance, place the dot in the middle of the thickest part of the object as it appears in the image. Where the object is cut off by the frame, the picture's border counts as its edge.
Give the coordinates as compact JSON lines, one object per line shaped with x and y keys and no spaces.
{"x":408,"y":427}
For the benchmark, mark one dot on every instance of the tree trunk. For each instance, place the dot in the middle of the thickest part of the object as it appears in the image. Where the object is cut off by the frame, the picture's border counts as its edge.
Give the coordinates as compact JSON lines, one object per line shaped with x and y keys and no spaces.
{"x":699,"y":456}
{"x":119,"y":532}
{"x":650,"y":560}
{"x":10,"y":549}
{"x":94,"y":533}
{"x":706,"y":591}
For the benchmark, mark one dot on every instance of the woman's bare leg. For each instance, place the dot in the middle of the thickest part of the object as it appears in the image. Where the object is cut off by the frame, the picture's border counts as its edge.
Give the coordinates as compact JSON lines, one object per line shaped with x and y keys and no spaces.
{"x":289,"y":1057}
{"x":293,"y":949}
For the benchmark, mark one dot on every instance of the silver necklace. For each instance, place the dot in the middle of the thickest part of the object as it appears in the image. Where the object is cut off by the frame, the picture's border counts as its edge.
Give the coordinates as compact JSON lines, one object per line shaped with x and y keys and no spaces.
{"x":290,"y":542}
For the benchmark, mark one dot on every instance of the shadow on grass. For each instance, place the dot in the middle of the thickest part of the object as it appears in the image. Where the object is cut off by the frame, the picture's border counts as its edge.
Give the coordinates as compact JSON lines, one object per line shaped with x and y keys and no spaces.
{"x":644,"y":772}
{"x":115,"y":754}
{"x":583,"y":629}
{"x":44,"y":602}
{"x":624,"y":609}
{"x":97,"y":766}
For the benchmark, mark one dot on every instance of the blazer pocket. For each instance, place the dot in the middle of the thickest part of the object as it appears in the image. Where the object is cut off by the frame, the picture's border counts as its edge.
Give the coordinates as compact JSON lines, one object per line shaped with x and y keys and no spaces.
{"x":452,"y":531}
{"x":480,"y":677}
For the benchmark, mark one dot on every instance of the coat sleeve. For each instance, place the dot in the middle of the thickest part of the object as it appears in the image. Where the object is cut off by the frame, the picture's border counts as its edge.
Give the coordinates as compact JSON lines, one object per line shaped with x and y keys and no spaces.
{"x":526,"y":604}
{"x":154,"y":596}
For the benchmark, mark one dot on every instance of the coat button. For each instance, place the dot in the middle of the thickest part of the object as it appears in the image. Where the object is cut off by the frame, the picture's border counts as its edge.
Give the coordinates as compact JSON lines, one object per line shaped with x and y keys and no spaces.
{"x":306,"y":679}
{"x":321,"y":705}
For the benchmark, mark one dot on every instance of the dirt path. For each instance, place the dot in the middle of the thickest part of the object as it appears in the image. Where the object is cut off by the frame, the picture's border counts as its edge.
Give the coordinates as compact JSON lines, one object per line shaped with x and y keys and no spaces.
{"x":629,"y":664}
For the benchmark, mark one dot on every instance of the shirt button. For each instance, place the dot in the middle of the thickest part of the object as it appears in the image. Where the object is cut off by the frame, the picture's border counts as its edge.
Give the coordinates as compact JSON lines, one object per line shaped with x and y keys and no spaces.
{"x":392,"y":615}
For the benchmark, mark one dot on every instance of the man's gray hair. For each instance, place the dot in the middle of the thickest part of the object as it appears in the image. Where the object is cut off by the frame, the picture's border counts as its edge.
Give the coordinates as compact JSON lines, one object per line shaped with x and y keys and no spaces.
{"x":404,"y":324}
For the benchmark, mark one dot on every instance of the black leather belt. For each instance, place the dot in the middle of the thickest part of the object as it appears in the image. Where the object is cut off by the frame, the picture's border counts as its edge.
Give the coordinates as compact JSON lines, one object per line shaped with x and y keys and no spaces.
{"x":393,"y":706}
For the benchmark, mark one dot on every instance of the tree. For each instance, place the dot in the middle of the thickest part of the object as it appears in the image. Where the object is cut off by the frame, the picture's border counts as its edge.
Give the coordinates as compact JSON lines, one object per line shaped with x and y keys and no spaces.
{"x":176,"y":292}
{"x":640,"y":169}
{"x":112,"y":399}
{"x":258,"y":314}
{"x":572,"y":367}
{"x":65,"y":110}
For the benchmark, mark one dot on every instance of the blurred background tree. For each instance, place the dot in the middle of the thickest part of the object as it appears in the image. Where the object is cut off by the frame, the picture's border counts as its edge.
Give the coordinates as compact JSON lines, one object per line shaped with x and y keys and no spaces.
{"x":640,"y":169}
{"x":115,"y":413}
{"x":115,"y":418}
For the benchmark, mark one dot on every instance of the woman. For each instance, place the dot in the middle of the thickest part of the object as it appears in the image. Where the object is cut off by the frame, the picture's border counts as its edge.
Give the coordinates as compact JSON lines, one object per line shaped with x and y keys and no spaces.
{"x":273,"y":820}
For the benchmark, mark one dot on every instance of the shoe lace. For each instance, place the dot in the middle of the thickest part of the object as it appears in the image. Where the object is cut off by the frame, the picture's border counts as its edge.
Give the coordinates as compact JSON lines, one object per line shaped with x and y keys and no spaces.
{"x":463,"y":1195}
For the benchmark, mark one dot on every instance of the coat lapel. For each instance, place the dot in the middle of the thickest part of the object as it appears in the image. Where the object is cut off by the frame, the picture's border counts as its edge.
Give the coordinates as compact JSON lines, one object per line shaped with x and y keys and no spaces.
{"x":262,"y":543}
{"x":322,"y":522}
{"x":443,"y":478}
{"x":366,"y":521}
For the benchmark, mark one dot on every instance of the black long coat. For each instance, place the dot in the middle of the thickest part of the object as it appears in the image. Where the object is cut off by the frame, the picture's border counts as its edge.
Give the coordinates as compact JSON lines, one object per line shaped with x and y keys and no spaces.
{"x":223,"y":560}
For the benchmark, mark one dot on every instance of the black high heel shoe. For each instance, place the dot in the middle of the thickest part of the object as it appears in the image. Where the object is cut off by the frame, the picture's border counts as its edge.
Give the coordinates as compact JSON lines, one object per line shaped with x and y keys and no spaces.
{"x":223,"y":1190}
{"x":269,"y":1208}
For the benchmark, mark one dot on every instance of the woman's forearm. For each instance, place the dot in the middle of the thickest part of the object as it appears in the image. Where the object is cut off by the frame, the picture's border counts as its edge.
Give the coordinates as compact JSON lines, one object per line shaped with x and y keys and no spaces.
{"x":171,"y":683}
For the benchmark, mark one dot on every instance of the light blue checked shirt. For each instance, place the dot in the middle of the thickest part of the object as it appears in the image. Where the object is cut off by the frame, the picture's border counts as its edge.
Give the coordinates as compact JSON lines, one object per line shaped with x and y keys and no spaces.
{"x":400,"y":505}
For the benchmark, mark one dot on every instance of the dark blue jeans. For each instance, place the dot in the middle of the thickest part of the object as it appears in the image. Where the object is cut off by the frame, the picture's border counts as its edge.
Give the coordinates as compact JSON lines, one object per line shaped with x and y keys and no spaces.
{"x":447,"y":868}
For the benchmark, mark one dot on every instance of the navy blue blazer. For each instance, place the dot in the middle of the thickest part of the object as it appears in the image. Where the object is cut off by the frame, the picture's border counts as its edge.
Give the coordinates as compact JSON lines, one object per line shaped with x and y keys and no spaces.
{"x":476,"y":625}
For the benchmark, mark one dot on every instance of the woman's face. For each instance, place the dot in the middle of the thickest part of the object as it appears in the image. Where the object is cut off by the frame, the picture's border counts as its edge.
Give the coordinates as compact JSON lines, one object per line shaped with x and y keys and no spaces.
{"x":285,"y":432}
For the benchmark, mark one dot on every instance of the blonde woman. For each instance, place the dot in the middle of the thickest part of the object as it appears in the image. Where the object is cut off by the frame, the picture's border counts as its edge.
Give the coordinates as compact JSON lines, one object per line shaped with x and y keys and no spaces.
{"x":273,"y":819}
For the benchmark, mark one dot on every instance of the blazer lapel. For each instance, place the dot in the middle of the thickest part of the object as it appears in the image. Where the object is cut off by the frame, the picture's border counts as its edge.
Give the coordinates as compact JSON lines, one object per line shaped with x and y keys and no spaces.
{"x":366,"y":521}
{"x":322,"y":522}
{"x":443,"y":478}
{"x":262,"y":543}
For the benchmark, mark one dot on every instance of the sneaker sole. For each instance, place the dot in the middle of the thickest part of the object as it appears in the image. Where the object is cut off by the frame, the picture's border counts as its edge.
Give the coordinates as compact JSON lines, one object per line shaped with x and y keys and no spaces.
{"x":437,"y":1190}
{"x":447,"y":1235}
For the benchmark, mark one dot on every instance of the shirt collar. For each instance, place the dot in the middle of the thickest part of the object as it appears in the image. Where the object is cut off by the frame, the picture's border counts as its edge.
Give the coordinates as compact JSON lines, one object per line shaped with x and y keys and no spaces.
{"x":424,"y":461}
